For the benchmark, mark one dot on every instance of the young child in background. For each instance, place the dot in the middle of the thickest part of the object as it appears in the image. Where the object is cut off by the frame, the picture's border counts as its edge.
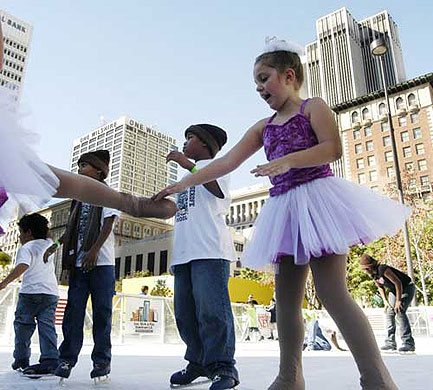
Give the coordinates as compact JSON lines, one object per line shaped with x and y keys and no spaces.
{"x":38,"y":297}
{"x":311,"y":218}
{"x":202,"y":252}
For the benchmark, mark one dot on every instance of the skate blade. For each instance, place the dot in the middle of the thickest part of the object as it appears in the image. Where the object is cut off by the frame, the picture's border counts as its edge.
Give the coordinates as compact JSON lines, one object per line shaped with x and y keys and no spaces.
{"x":407,"y":353}
{"x":101,"y":380}
{"x":39,"y":376}
{"x":62,"y":382}
{"x":192,"y":384}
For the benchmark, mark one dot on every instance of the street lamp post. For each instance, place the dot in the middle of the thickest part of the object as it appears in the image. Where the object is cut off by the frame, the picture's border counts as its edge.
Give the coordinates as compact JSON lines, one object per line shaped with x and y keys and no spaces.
{"x":378,"y":49}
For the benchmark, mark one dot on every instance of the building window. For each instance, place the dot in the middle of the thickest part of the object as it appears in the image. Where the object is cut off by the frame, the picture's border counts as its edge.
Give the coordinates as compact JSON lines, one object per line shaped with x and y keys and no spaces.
{"x":360,"y":163}
{"x":414,"y":118}
{"x":390,"y":172}
{"x":425,"y":181}
{"x":163,"y":262}
{"x":399,"y":103}
{"x":367,"y":131}
{"x":388,"y":156}
{"x":117,"y":268}
{"x":409,"y":166}
{"x":407,"y":151}
{"x":365,"y":114}
{"x":422,"y":165}
{"x":412,"y":183}
{"x":127,"y":265}
{"x":382,"y":109}
{"x":371,"y":160}
{"x":372,"y":175}
{"x":411,"y":99}
{"x":419,"y":148}
{"x":417,"y":133}
{"x":384,"y":126}
{"x":356,"y":134}
{"x":139,"y":263}
{"x":402,"y":121}
{"x":358,"y":148}
{"x":361,"y":178}
{"x":386,"y":140}
{"x":404,"y":136}
{"x":355,"y":117}
{"x":369,"y":146}
{"x":151,"y":262}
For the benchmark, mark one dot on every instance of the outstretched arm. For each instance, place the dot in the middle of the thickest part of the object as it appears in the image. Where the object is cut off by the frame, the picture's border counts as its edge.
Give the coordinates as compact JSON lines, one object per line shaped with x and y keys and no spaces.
{"x":250,"y":143}
{"x":91,"y":191}
{"x":15,"y":273}
{"x":327,"y":150}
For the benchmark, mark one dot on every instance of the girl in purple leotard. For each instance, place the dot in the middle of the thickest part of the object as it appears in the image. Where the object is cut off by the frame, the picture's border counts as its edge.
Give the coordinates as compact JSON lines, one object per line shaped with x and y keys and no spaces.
{"x":311,"y":218}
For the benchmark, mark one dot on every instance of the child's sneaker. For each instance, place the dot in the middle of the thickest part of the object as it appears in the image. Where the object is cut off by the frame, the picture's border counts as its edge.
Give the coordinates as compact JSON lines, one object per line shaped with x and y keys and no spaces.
{"x":20,"y":364}
{"x":223,"y":382}
{"x":63,"y":370}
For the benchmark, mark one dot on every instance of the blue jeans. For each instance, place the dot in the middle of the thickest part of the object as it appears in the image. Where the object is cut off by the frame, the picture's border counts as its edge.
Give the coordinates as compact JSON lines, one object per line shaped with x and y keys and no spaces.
{"x":41,"y":307}
{"x":405,"y":329}
{"x":204,"y":316}
{"x":315,"y":339}
{"x":99,"y":284}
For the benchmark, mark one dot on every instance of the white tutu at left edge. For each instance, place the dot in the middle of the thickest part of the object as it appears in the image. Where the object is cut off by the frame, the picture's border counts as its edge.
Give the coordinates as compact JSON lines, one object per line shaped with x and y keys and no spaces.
{"x":27,"y":180}
{"x":321,"y":217}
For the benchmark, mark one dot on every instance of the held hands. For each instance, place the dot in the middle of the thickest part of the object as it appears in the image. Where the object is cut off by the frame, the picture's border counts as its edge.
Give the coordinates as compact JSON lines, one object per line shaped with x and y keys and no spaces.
{"x":180,"y":158}
{"x":273,"y":168}
{"x":49,"y":251}
{"x":89,"y":260}
{"x":169,"y":190}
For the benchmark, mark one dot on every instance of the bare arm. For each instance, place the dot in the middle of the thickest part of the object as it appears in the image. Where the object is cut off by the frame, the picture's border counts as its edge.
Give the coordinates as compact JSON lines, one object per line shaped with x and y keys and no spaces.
{"x":15,"y":273}
{"x":250,"y":143}
{"x":327,"y":150}
{"x":397,"y":283}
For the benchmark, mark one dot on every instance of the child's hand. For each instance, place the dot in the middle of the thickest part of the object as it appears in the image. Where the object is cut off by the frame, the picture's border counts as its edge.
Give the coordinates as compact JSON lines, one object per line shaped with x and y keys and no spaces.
{"x":49,"y":251}
{"x":181,"y":159}
{"x":273,"y":168}
{"x":169,"y":190}
{"x":89,"y":260}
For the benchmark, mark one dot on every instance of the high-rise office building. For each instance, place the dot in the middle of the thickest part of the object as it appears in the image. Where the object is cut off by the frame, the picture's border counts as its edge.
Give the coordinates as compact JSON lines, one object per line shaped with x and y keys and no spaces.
{"x":340,"y":66}
{"x":17,"y":36}
{"x":137,"y":153}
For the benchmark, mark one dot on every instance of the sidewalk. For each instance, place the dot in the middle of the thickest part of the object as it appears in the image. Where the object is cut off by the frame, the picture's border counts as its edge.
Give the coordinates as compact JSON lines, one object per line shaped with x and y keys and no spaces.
{"x":149,"y":366}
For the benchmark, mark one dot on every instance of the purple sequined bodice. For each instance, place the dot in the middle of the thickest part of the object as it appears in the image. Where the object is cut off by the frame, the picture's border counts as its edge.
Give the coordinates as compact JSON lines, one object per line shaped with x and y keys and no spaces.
{"x":294,"y":135}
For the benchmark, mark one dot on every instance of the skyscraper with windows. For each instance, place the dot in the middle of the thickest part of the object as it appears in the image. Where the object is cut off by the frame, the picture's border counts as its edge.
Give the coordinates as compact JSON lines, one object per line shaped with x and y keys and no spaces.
{"x":17,"y":36}
{"x":137,"y":153}
{"x":340,"y":66}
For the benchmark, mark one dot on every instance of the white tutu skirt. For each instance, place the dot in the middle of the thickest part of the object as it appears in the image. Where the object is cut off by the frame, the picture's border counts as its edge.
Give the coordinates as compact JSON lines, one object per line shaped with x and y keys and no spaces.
{"x":27,"y":180}
{"x":318,"y":218}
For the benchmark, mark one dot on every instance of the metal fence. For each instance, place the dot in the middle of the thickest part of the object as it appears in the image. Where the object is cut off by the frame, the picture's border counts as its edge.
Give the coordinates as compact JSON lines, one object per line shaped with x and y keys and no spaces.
{"x":139,"y":318}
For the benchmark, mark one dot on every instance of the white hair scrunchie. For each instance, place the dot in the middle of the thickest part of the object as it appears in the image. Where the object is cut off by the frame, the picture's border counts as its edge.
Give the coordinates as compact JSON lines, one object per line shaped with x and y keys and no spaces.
{"x":274,"y":44}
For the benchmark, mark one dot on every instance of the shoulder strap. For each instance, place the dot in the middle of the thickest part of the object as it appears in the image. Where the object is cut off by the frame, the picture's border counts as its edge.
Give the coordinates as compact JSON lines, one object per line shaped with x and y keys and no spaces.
{"x":303,"y":105}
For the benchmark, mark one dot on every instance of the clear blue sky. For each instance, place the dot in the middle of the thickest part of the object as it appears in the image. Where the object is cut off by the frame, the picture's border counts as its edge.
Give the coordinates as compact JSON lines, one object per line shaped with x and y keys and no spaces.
{"x":172,"y":63}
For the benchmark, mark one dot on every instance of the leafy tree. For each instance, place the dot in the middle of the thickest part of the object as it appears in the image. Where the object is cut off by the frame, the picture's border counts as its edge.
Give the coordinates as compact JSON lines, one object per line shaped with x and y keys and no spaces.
{"x":161,"y":289}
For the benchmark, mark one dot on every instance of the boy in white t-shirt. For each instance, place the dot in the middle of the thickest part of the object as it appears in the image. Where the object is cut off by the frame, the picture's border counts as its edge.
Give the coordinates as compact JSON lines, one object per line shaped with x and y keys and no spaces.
{"x":88,"y":255}
{"x":37,"y":299}
{"x":202,"y":251}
